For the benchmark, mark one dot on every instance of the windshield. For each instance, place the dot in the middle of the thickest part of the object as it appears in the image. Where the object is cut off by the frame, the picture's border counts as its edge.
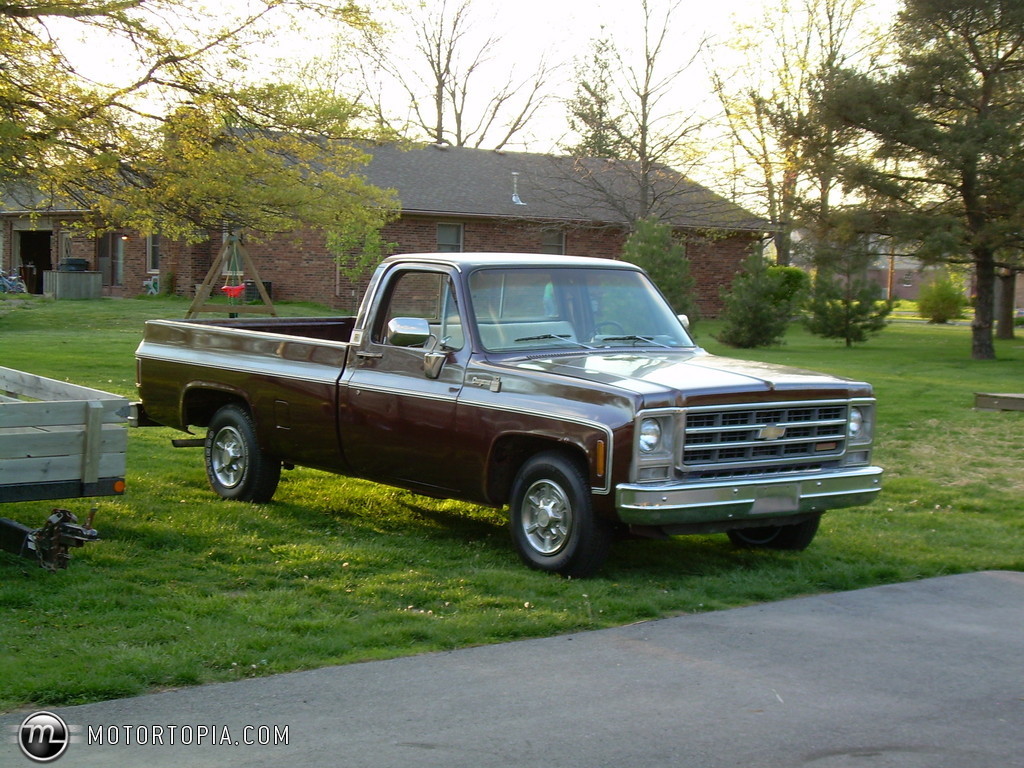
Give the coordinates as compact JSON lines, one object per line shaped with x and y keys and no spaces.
{"x":528,"y":309}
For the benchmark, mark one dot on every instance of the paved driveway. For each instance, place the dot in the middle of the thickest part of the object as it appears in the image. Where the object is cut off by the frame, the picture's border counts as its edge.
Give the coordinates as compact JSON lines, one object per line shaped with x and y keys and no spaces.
{"x":927,"y":674}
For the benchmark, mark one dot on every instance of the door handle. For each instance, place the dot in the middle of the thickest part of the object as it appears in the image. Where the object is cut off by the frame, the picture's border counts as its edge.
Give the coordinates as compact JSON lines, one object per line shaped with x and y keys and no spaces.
{"x":370,"y":355}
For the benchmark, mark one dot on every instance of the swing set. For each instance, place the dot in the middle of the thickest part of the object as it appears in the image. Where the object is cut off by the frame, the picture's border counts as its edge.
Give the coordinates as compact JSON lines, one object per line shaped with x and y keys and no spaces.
{"x":232,"y":262}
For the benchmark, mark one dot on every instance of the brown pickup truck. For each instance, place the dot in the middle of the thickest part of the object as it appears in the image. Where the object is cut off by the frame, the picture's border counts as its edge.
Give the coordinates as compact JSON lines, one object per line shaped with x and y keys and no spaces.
{"x":563,"y":387}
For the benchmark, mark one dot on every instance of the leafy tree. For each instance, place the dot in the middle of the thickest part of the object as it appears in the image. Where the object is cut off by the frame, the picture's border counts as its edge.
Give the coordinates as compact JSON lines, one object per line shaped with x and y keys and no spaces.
{"x":760,"y":303}
{"x":173,"y":147}
{"x":793,"y":51}
{"x":266,"y":160}
{"x":653,"y":247}
{"x":945,"y":121}
{"x":794,"y":283}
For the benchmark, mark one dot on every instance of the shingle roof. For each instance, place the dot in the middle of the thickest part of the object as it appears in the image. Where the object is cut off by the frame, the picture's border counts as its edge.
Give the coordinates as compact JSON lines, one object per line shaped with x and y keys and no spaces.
{"x":22,"y":198}
{"x":459,"y":181}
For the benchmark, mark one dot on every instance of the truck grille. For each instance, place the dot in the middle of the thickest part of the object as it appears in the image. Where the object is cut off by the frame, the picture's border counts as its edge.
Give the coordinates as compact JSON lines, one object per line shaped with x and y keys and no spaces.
{"x":777,"y":437}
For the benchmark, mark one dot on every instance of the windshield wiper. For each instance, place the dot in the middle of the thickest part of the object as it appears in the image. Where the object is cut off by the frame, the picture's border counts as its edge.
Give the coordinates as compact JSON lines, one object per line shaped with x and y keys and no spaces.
{"x":648,"y":339}
{"x":556,"y":337}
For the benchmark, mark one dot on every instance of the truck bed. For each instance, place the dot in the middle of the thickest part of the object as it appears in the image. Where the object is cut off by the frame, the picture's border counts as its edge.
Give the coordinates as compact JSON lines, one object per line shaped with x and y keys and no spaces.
{"x":322,"y":328}
{"x":285,"y":368}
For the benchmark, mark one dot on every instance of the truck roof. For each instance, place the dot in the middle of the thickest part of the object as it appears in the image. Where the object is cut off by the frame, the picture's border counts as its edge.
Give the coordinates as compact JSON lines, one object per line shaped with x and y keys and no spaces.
{"x":475,"y":259}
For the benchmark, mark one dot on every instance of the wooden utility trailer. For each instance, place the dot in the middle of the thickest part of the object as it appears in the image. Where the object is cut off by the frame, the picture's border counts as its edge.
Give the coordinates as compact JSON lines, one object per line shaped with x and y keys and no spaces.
{"x":57,"y":441}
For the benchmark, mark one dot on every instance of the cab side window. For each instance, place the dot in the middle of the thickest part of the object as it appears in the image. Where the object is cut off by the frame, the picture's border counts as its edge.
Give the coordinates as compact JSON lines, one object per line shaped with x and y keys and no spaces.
{"x":426,"y":295}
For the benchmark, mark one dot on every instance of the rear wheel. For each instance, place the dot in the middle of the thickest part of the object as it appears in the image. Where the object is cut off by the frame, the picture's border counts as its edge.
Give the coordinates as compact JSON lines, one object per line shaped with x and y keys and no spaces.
{"x":235,"y":465}
{"x":552,"y":520}
{"x":795,"y":536}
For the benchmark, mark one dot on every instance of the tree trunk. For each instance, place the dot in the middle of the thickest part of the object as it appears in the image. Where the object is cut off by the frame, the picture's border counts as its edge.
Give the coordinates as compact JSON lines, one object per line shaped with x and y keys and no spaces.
{"x":783,"y":245}
{"x":982,"y":346}
{"x":1005,"y":304}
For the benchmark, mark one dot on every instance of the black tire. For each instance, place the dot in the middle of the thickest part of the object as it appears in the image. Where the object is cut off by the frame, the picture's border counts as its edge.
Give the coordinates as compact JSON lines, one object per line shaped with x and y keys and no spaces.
{"x":235,"y":465}
{"x":552,"y":519}
{"x":795,"y":536}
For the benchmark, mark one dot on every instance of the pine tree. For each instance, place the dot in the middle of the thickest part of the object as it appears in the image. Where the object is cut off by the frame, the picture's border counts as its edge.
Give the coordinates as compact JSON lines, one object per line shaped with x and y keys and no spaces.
{"x":593,"y":114}
{"x":940,"y":157}
{"x":760,"y":304}
{"x":653,"y":247}
{"x":844,"y":303}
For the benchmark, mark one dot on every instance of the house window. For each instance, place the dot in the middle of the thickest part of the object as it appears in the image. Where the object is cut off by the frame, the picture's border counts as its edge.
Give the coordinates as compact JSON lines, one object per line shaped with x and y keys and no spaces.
{"x":65,"y":246}
{"x":232,"y":265}
{"x":231,"y":244}
{"x":153,"y":254}
{"x":449,"y":238}
{"x":552,"y":241}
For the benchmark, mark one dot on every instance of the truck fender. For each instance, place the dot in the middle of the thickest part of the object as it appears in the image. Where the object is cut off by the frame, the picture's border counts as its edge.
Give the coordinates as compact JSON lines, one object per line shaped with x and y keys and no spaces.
{"x":510,"y":451}
{"x":201,"y":399}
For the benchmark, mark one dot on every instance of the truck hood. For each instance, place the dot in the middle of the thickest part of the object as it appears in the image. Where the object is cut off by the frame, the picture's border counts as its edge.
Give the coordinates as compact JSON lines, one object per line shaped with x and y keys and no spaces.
{"x":694,"y":373}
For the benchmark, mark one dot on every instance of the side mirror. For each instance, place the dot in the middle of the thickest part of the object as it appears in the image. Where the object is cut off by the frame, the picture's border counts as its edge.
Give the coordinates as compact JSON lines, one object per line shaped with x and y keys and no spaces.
{"x":408,"y":332}
{"x":685,"y":320}
{"x":415,"y":332}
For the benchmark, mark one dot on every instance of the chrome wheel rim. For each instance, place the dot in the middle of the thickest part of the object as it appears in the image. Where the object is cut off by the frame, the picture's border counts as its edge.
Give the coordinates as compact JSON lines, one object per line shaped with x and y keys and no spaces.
{"x":228,"y":458}
{"x":546,"y":517}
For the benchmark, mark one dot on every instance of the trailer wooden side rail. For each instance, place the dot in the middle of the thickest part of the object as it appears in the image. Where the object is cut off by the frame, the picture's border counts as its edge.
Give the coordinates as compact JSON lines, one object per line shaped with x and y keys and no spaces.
{"x":59,"y":440}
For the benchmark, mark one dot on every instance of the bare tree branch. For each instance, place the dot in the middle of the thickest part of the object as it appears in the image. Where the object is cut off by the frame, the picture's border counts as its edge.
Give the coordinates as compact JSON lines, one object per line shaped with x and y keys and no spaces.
{"x":453,"y":89}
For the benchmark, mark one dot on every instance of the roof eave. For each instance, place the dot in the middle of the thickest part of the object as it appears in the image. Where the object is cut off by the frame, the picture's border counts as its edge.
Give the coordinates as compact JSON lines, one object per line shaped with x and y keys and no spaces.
{"x":752,"y":228}
{"x":42,"y":212}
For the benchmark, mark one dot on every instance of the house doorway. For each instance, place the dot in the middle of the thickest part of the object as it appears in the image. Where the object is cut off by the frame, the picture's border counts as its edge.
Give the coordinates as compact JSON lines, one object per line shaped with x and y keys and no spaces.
{"x":110,"y":259}
{"x":35,"y":255}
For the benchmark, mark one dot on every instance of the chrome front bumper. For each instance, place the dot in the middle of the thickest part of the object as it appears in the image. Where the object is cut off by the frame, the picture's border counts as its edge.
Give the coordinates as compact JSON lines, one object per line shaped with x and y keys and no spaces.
{"x":675,"y":504}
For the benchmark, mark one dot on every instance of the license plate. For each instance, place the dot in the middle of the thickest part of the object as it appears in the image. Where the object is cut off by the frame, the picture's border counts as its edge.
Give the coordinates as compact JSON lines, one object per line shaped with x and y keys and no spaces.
{"x":774,"y":499}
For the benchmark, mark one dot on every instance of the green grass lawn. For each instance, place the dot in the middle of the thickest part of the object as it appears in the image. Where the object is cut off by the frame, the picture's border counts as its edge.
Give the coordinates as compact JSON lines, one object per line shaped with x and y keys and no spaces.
{"x":185,"y":588}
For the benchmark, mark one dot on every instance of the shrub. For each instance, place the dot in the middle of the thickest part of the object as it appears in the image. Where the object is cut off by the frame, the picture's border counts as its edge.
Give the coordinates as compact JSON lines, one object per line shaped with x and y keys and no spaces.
{"x":941,"y":300}
{"x":795,"y":281}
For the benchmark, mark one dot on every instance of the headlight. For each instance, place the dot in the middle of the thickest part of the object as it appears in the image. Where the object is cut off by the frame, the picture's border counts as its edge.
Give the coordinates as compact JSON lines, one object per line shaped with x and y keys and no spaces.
{"x":861,"y":425}
{"x":856,"y":426}
{"x":650,"y":435}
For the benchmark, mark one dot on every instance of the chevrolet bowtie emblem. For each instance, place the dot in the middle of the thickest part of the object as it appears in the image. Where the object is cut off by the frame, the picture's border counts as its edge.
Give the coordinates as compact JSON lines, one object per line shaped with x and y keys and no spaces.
{"x":771,"y":433}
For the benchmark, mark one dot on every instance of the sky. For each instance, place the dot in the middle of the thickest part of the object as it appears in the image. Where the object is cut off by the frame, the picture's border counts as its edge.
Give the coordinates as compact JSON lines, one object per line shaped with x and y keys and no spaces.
{"x":565,"y":28}
{"x":559,"y":29}
{"x":562,"y":30}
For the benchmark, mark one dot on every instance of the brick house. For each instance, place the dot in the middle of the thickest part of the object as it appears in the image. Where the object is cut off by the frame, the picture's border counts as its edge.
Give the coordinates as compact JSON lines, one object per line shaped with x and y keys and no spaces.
{"x":452,"y":199}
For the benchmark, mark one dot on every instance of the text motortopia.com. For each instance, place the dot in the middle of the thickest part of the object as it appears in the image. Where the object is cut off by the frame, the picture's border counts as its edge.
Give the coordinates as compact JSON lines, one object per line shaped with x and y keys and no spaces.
{"x":45,"y":736}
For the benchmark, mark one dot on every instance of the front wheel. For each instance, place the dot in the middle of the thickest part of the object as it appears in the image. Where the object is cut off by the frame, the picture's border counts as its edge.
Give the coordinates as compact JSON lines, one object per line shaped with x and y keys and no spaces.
{"x":552,"y":520}
{"x":235,"y":465}
{"x":795,"y":536}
